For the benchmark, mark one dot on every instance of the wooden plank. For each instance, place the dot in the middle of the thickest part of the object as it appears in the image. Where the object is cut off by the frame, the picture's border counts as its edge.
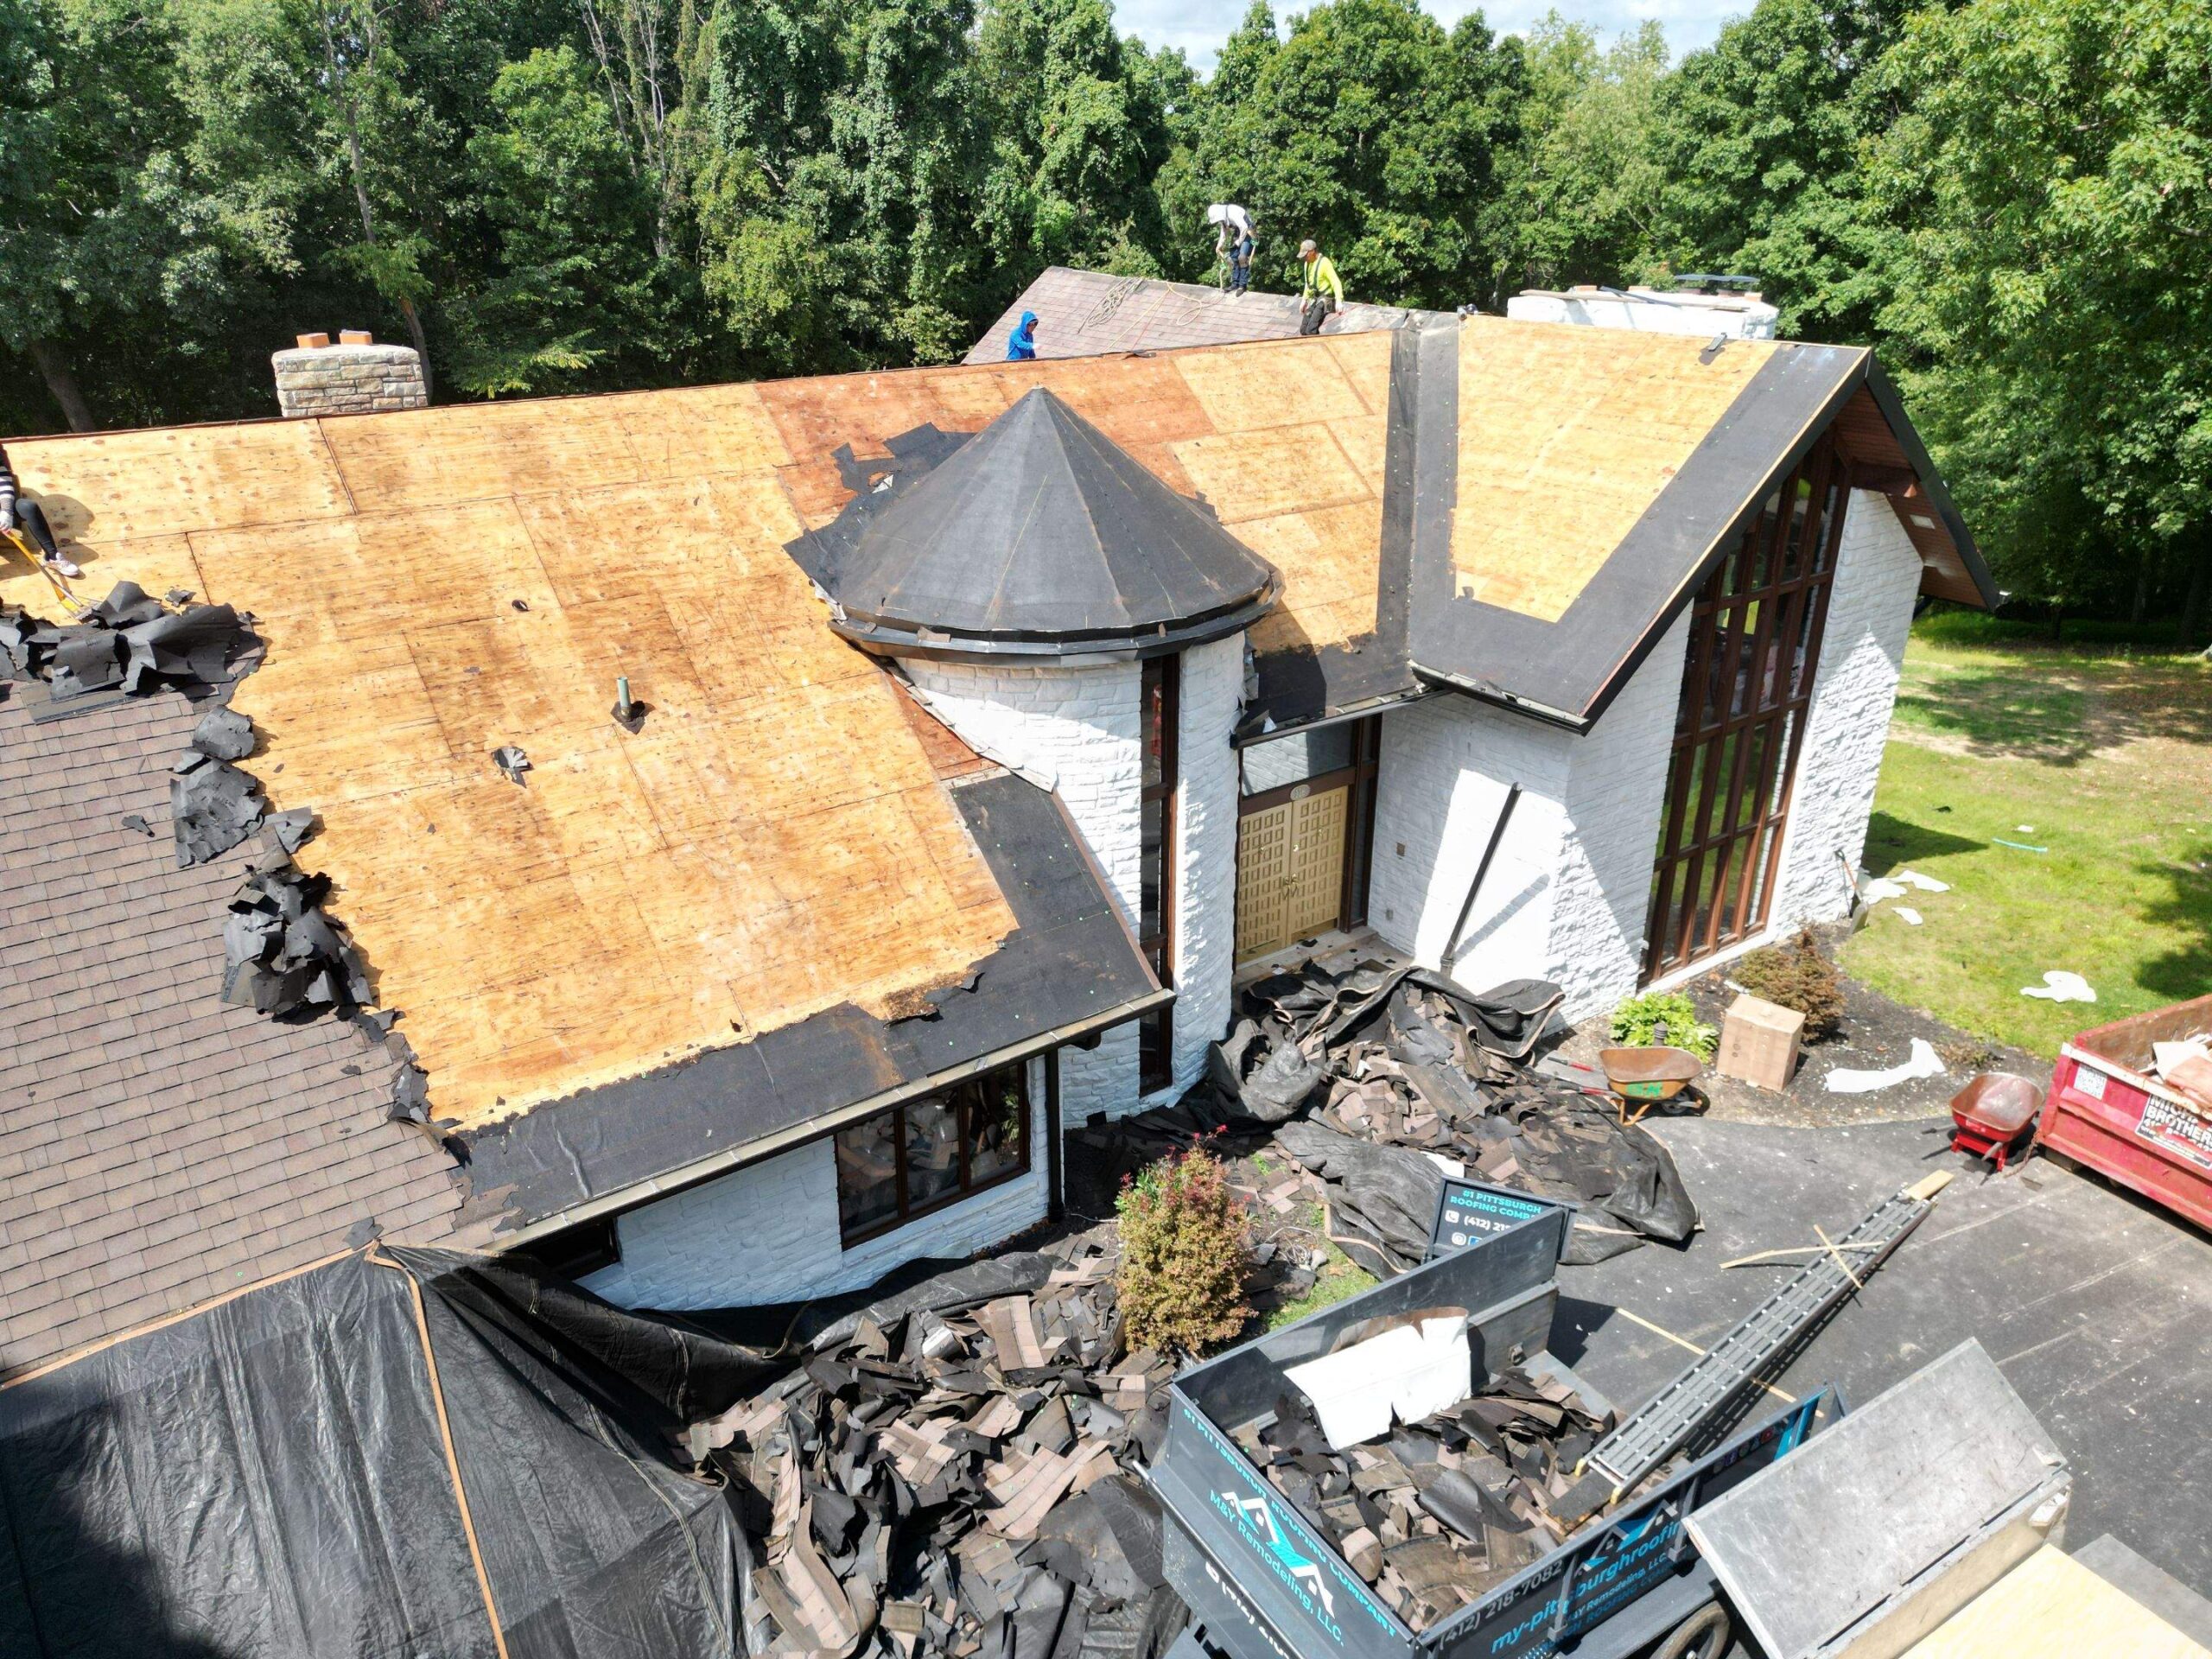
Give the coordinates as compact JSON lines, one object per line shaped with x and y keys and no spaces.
{"x":1278,"y":383}
{"x":121,"y":486}
{"x":1279,"y":469}
{"x":2052,"y":1607}
{"x":476,"y":452}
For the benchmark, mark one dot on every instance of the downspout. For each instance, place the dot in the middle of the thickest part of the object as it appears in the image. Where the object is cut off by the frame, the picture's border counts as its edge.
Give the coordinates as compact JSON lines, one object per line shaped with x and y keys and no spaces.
{"x":1055,"y":1176}
{"x":1450,"y":957}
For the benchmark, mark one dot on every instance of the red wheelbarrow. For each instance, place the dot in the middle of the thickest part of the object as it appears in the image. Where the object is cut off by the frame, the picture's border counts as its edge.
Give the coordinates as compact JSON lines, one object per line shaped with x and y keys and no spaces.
{"x":1992,"y":1112}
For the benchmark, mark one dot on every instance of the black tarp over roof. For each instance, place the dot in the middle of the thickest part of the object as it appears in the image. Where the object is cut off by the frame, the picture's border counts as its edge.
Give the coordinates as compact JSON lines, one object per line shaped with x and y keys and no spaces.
{"x":1040,"y":535}
{"x":268,"y":1477}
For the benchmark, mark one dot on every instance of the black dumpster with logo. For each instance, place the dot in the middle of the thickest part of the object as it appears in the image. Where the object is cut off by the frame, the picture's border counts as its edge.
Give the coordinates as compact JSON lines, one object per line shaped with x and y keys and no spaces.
{"x":1264,"y":1583}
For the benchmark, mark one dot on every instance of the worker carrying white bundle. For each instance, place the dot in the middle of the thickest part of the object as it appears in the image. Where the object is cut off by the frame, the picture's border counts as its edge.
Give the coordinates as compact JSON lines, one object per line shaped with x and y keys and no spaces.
{"x":24,"y":523}
{"x":1233,"y":241}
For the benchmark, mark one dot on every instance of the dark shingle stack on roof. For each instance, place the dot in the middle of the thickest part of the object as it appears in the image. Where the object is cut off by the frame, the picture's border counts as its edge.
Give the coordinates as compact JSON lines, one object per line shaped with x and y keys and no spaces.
{"x":1087,"y":313}
{"x":159,"y":1147}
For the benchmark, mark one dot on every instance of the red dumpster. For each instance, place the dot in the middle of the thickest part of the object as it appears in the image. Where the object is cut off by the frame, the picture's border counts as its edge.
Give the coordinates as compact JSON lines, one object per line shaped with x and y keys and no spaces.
{"x":2108,"y":1111}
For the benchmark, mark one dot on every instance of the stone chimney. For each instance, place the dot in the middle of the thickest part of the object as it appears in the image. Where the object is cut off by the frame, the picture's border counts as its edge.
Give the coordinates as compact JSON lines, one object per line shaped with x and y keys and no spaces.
{"x":355,"y":376}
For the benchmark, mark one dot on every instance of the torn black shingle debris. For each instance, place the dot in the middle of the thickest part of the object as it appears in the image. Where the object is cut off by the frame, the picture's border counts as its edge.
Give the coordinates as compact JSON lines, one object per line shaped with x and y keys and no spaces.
{"x":131,"y":641}
{"x":1362,"y":1075}
{"x":212,"y":806}
{"x":1417,"y":1066}
{"x":282,"y":954}
{"x":1437,"y":1513}
{"x":223,"y":734}
{"x":949,"y":1472}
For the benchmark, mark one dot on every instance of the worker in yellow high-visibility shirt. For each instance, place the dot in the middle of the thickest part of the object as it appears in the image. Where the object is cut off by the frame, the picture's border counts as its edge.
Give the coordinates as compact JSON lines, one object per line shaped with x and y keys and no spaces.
{"x":1323,"y":290}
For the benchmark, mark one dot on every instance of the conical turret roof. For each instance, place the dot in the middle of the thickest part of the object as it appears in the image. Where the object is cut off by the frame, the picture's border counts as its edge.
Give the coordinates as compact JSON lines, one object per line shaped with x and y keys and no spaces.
{"x":1040,"y":537}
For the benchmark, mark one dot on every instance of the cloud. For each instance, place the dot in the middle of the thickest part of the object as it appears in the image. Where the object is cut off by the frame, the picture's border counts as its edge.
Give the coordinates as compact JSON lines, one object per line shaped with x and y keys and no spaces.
{"x":1200,"y":26}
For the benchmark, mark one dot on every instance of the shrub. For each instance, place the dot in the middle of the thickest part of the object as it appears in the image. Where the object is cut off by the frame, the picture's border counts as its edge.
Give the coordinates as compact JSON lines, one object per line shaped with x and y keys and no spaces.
{"x":1797,"y":976}
{"x":1183,"y":1255}
{"x":1664,"y":1017}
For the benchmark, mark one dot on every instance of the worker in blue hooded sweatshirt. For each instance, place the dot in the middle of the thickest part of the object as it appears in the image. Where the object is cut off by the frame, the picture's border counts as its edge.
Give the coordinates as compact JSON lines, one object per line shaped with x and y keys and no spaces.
{"x":1021,"y":344}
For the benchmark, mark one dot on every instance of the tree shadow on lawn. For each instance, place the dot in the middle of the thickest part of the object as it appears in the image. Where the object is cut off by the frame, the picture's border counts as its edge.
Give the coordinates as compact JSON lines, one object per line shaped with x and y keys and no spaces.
{"x":2061,"y":717}
{"x":1892,"y":842}
{"x":2185,"y":971}
{"x":2004,"y":714}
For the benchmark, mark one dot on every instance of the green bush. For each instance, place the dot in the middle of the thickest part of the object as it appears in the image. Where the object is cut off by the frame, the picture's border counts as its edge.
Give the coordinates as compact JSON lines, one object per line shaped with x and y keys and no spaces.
{"x":1797,"y":976}
{"x":1664,"y":1017}
{"x":1184,"y":1256}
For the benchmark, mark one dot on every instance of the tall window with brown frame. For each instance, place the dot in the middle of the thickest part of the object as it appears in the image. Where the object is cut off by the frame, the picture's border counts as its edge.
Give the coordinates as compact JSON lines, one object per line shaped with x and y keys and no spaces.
{"x":1159,"y":710}
{"x":1747,"y":684}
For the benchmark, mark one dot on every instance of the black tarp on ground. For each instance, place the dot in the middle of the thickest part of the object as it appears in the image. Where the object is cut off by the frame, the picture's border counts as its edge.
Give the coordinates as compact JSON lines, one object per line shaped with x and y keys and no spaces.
{"x":268,"y":1477}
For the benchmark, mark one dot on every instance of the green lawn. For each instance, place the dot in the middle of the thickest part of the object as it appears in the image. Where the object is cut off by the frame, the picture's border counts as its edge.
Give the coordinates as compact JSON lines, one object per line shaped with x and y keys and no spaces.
{"x":1338,"y":1281}
{"x":2100,"y":752}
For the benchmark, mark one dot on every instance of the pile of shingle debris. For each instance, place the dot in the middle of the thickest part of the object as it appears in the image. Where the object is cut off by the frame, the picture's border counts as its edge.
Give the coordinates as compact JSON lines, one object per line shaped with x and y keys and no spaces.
{"x":947,"y":1471}
{"x":1374,"y":1077}
{"x":1443,"y":1511}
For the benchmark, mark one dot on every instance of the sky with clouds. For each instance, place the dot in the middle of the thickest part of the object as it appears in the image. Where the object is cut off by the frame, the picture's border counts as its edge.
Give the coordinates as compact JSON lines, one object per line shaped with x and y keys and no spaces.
{"x":1200,"y":26}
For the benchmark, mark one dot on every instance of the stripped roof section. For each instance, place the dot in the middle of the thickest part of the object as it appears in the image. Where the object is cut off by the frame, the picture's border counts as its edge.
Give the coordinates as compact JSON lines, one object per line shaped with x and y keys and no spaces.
{"x":1567,"y":441}
{"x":774,"y":844}
{"x":157,"y":1146}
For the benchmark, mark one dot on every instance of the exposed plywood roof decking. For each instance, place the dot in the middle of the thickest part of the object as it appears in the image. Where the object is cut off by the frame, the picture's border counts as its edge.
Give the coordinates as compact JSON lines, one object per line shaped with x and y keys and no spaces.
{"x":437,"y":584}
{"x":1548,"y":478}
{"x":774,"y":841}
{"x":1566,"y":436}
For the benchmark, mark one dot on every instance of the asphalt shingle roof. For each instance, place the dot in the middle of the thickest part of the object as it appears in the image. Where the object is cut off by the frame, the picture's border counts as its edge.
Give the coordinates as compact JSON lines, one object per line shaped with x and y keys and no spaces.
{"x":158,"y":1146}
{"x":1089,"y":313}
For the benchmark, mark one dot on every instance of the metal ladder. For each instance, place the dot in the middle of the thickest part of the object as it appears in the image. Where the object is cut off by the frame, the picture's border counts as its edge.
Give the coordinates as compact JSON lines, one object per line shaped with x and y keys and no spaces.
{"x":1650,"y":1436}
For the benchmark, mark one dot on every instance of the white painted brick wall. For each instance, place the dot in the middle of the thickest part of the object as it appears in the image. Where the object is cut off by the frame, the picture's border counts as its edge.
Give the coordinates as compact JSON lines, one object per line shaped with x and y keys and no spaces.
{"x":1444,"y":768}
{"x":769,"y":1232}
{"x":1862,"y":653}
{"x":1206,"y":854}
{"x":1615,"y":797}
{"x":1566,"y":895}
{"x":1076,"y":728}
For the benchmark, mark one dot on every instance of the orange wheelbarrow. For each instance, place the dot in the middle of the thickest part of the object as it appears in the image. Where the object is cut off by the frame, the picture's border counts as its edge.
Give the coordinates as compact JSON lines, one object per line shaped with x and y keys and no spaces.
{"x":1647,"y":1076}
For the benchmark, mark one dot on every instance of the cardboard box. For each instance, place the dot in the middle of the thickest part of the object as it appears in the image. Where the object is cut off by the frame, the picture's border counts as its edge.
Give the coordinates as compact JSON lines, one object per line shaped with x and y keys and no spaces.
{"x":1758,"y":1042}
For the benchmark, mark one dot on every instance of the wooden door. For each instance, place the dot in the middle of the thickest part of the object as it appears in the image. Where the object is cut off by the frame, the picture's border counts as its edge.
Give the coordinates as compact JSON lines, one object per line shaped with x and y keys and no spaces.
{"x":1290,"y":871}
{"x":1747,"y":688}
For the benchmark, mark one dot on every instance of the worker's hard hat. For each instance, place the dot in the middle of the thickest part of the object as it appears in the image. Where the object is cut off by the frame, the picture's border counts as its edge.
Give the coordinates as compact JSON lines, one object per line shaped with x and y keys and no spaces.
{"x":1307,"y":246}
